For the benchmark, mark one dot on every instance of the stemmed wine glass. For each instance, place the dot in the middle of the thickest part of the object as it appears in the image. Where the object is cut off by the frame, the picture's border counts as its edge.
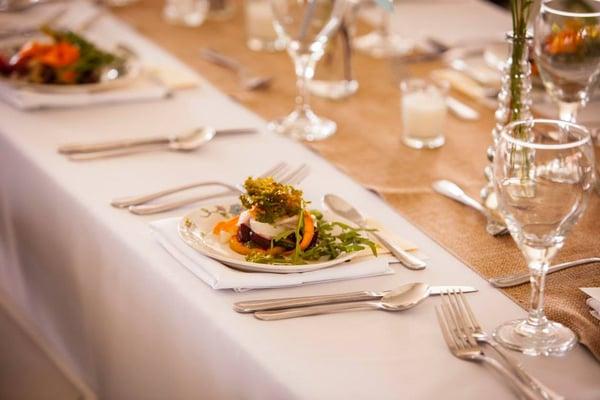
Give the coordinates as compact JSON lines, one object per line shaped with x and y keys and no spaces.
{"x":543,"y":174}
{"x":306,"y":26}
{"x":381,"y":42}
{"x":567,"y":52}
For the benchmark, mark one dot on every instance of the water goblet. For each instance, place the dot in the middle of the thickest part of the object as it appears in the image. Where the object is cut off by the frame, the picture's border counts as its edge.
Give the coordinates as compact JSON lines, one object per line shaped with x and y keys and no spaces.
{"x":567,"y":52}
{"x":381,"y":42}
{"x":306,"y":27}
{"x":543,"y":175}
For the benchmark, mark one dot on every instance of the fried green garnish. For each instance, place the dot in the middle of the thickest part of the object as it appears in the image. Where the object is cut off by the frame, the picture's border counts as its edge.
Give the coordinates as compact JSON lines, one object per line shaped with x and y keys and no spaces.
{"x":271,"y":200}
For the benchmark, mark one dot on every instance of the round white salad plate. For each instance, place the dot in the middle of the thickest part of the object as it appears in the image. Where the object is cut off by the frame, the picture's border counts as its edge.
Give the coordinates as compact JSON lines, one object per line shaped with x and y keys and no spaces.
{"x":195,"y":229}
{"x":112,"y":78}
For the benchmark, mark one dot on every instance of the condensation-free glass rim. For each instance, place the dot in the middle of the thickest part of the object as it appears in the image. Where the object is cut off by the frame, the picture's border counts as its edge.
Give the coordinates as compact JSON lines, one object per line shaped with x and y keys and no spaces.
{"x":585,"y":139}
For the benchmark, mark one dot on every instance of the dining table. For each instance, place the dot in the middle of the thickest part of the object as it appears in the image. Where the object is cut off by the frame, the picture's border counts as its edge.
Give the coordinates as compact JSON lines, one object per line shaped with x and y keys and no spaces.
{"x":134,"y":323}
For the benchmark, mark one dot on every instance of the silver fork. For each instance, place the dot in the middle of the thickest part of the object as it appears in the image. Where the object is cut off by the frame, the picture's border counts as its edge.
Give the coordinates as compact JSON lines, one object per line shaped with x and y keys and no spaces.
{"x":123,"y":202}
{"x":294,"y":177}
{"x":464,"y":347}
{"x":474,"y":329}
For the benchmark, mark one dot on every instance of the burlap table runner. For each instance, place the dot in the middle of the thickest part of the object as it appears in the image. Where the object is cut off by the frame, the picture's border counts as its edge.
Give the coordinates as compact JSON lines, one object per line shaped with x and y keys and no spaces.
{"x":367,"y":148}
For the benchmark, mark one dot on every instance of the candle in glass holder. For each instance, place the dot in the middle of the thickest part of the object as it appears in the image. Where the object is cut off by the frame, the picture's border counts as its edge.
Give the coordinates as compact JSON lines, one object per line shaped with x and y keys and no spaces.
{"x":261,"y":35}
{"x":424,"y":113}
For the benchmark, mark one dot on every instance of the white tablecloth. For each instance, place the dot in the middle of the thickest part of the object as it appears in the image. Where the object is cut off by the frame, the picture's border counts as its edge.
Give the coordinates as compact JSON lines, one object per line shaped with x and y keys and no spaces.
{"x":137,"y":325}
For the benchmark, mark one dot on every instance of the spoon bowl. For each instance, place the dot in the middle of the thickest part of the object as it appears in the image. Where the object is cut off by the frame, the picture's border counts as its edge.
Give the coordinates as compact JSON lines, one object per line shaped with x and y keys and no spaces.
{"x":342,"y":208}
{"x":404,"y":297}
{"x":192,"y":141}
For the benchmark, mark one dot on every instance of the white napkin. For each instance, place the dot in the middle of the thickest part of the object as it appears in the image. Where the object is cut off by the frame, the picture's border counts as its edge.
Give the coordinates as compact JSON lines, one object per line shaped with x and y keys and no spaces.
{"x":218,"y":276}
{"x":594,"y":301}
{"x":141,"y":90}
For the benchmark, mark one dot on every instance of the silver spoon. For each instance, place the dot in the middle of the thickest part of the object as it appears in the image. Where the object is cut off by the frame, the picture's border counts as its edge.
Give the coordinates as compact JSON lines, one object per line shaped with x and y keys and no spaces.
{"x":453,"y":191}
{"x":345,"y":210}
{"x":248,"y":81}
{"x":402,"y":298}
{"x":189,"y":142}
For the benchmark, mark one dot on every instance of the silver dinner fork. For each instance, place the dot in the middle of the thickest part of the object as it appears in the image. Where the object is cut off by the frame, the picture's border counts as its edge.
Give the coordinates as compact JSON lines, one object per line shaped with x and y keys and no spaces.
{"x":465,"y":347}
{"x":471,"y":325}
{"x":280,"y":172}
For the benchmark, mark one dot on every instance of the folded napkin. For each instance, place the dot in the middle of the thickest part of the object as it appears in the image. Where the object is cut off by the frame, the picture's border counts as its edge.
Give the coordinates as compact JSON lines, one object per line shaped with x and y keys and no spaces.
{"x":219,"y":276}
{"x":594,"y":301}
{"x":141,"y":90}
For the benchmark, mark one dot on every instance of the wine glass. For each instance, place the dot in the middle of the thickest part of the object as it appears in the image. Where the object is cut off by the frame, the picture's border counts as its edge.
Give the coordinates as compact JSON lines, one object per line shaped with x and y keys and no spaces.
{"x":306,"y":26}
{"x":380,"y":42}
{"x":567,"y":52}
{"x":543,"y":174}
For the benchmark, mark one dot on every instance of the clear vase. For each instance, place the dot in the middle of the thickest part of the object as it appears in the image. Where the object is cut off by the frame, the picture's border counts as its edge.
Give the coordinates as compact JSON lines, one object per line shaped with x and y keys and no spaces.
{"x":334,"y":78}
{"x":514,"y":104}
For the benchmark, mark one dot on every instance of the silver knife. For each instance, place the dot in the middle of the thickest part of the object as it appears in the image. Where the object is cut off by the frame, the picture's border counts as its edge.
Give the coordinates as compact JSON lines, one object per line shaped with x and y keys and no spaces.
{"x":289,"y":302}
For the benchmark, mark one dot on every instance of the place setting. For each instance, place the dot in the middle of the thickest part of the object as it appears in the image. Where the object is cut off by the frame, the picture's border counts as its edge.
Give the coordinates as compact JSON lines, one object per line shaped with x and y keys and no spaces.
{"x":401,"y":201}
{"x":58,"y":60}
{"x":271,"y":236}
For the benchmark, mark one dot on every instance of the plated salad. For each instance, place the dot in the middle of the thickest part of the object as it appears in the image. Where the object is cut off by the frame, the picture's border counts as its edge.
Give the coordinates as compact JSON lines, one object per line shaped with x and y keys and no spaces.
{"x":61,"y":58}
{"x":277,"y":226}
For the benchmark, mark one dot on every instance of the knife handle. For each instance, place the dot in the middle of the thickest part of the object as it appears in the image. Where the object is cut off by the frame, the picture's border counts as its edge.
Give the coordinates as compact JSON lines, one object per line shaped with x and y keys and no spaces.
{"x":289,"y":302}
{"x":112,"y":145}
{"x":313,"y":310}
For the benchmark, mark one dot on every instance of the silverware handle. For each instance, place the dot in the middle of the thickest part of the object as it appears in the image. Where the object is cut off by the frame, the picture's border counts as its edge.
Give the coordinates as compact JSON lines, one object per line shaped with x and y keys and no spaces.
{"x":123,"y":202}
{"x":519,"y":279}
{"x":116,"y":152}
{"x":112,"y":145}
{"x":220,"y":59}
{"x":461,"y":110}
{"x":539,"y":387}
{"x":523,"y":389}
{"x":453,"y":191}
{"x":312,"y":310}
{"x":408,"y":260}
{"x":291,"y":302}
{"x":145,"y":209}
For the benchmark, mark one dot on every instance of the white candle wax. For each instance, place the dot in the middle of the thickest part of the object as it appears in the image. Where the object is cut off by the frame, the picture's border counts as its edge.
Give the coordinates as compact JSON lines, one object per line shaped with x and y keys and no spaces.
{"x":259,"y":20}
{"x":423,"y":114}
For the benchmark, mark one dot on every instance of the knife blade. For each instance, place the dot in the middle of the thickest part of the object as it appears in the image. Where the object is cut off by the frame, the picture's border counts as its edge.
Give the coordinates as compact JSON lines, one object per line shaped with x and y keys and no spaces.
{"x":291,"y":302}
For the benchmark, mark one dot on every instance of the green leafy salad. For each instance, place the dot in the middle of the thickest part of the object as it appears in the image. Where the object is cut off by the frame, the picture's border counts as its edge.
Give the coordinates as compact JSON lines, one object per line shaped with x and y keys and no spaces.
{"x":277,"y":227}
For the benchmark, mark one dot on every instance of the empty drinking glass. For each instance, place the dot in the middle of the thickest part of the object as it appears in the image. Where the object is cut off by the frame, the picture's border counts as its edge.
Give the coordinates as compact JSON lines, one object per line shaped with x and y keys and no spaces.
{"x":260,"y":33}
{"x":543,"y":175}
{"x":567,"y":52}
{"x":186,"y":12}
{"x":306,"y":26}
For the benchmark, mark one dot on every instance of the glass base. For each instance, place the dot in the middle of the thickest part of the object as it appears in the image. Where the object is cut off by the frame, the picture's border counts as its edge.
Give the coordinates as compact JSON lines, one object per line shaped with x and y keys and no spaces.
{"x":189,"y":16}
{"x":550,"y":339}
{"x":332,"y":90}
{"x":303,"y":126}
{"x":268,"y":45}
{"x":424,"y":143}
{"x":377,"y":45}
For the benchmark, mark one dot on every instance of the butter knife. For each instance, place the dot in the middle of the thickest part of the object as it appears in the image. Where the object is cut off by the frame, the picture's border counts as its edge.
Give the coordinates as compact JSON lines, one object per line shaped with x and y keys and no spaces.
{"x":291,"y":302}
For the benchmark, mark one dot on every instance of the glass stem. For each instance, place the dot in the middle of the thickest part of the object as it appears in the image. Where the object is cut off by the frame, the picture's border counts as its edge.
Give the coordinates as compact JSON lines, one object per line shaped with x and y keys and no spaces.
{"x":537,"y":279}
{"x":568,"y":111}
{"x":305,"y":70}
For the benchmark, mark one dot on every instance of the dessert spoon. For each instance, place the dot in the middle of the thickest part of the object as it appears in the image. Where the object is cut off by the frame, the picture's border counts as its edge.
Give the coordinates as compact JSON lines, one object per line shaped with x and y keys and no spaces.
{"x":344,"y":209}
{"x":405,"y":297}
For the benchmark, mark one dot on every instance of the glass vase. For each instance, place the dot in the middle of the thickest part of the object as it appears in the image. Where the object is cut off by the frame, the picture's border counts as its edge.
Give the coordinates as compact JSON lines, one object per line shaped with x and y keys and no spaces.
{"x":334,"y":78}
{"x":514,"y":104}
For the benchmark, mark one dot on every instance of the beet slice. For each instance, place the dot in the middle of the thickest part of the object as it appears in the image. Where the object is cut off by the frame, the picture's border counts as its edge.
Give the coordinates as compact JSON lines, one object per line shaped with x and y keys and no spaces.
{"x":243,"y":233}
